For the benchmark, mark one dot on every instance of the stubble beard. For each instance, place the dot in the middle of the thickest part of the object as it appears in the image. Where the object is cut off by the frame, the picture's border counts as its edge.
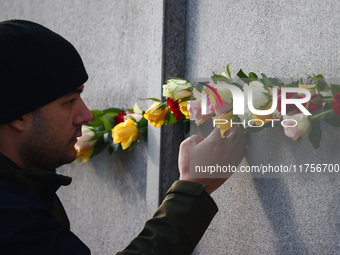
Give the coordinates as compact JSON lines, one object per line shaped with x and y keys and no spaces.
{"x":42,"y":147}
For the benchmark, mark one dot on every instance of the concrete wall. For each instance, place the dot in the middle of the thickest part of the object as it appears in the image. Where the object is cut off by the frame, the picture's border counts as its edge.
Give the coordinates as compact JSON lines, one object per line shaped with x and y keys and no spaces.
{"x":120,"y":41}
{"x":287,"y":215}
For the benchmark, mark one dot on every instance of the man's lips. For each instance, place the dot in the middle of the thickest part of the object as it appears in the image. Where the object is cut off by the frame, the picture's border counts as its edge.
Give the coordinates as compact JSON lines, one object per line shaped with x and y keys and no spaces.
{"x":75,"y":137}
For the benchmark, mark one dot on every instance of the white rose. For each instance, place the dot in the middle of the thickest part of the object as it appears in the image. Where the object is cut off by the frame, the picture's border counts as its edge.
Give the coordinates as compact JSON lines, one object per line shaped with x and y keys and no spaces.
{"x":226,"y":95}
{"x":176,"y":89}
{"x":259,"y":94}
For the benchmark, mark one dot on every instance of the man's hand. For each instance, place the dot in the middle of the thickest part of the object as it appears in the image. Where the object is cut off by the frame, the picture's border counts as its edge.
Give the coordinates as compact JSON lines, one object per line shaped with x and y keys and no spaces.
{"x":196,"y":151}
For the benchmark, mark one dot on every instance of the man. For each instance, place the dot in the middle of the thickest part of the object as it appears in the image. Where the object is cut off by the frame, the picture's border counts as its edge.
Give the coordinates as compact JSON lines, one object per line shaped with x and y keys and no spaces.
{"x":41,"y":78}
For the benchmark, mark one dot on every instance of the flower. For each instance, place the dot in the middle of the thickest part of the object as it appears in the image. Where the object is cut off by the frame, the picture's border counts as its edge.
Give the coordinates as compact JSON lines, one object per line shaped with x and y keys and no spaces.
{"x":312,"y":107}
{"x":210,"y":103}
{"x":264,"y":118}
{"x":181,"y":93}
{"x":336,"y":103}
{"x":309,"y":87}
{"x":183,"y":106}
{"x":259,"y":94}
{"x":156,"y":116}
{"x":174,"y":107}
{"x":176,"y":89}
{"x":260,"y":101}
{"x":302,"y":127}
{"x":85,"y":143}
{"x":195,"y":112}
{"x":225,"y":126}
{"x":119,"y":117}
{"x":226,"y":95}
{"x":125,"y":133}
{"x":289,"y":107}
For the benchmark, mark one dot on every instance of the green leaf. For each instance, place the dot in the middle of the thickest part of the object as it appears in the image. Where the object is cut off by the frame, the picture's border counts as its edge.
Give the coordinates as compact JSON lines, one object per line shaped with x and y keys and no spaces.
{"x":95,"y":123}
{"x":143,"y":131}
{"x":142,"y":126}
{"x":161,"y":105}
{"x":314,"y":135}
{"x":335,"y":89}
{"x":266,"y":82}
{"x":108,"y":121}
{"x":316,"y":100}
{"x":208,"y":92}
{"x":142,"y":123}
{"x":320,"y":82}
{"x":96,"y":113}
{"x":199,"y":86}
{"x":220,"y":78}
{"x":170,"y":119}
{"x":150,"y":98}
{"x":228,"y":71}
{"x":243,"y":76}
{"x":113,"y":110}
{"x":253,"y":76}
{"x":99,"y":147}
{"x":98,"y":134}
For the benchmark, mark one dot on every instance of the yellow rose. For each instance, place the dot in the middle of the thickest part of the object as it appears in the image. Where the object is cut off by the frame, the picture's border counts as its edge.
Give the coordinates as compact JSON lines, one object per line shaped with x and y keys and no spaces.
{"x":183,"y":107}
{"x":125,"y":133}
{"x":156,"y":117}
{"x":311,"y":87}
{"x":84,"y":155}
{"x":263,"y":117}
{"x":225,"y":126}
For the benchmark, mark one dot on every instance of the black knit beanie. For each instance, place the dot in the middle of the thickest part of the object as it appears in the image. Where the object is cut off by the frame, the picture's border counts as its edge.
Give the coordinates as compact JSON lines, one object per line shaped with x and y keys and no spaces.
{"x":37,"y":66}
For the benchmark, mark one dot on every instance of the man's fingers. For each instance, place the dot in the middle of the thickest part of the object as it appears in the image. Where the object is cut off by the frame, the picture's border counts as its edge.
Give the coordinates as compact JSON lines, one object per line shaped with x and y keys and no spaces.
{"x":195,"y":139}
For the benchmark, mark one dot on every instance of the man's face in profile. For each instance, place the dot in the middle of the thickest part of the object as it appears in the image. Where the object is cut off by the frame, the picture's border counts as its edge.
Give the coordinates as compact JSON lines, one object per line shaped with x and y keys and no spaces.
{"x":53,"y":131}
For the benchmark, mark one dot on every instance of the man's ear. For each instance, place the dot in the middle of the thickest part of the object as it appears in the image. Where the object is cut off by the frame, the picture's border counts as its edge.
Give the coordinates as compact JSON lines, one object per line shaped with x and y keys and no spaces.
{"x":22,"y":123}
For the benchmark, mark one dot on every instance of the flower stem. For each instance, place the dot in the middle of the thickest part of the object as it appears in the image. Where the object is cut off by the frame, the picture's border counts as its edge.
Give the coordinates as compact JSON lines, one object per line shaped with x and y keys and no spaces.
{"x":327,"y":100}
{"x":321,"y":114}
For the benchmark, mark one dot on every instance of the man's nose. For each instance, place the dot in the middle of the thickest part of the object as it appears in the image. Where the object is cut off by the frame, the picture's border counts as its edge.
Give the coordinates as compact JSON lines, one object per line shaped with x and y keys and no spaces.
{"x":84,"y":115}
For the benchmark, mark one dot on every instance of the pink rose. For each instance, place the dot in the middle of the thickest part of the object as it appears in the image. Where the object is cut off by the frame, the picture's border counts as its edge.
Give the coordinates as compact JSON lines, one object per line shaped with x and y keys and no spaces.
{"x":136,"y":116}
{"x":84,"y":142}
{"x":195,"y":112}
{"x":220,"y":107}
{"x":302,"y":127}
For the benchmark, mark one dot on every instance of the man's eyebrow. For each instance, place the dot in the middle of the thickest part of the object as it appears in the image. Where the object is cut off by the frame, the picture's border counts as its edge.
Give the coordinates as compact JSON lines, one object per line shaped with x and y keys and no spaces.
{"x":76,"y":91}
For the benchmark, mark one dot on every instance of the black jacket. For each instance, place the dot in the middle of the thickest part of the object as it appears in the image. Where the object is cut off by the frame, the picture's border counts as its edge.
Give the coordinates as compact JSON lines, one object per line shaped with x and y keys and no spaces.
{"x":33,"y":220}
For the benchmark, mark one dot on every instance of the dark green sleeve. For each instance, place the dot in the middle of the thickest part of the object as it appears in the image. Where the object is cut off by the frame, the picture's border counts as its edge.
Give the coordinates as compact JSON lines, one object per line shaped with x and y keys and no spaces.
{"x":178,"y":224}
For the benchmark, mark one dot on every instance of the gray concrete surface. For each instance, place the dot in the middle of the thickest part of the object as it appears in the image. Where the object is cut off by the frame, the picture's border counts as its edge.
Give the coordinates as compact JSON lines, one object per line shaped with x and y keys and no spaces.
{"x":291,"y":214}
{"x":111,"y":196}
{"x":121,"y":46}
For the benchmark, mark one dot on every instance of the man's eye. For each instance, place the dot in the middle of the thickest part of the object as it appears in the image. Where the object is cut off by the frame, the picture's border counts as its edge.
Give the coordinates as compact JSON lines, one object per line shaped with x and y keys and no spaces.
{"x":71,"y":101}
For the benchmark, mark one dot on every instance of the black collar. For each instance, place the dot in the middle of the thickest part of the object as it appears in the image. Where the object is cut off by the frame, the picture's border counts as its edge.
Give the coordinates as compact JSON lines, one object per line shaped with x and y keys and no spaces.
{"x":41,"y":182}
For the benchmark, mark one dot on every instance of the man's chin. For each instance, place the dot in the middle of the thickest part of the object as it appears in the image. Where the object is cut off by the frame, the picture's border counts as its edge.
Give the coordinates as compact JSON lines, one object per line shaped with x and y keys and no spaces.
{"x":69,"y":158}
